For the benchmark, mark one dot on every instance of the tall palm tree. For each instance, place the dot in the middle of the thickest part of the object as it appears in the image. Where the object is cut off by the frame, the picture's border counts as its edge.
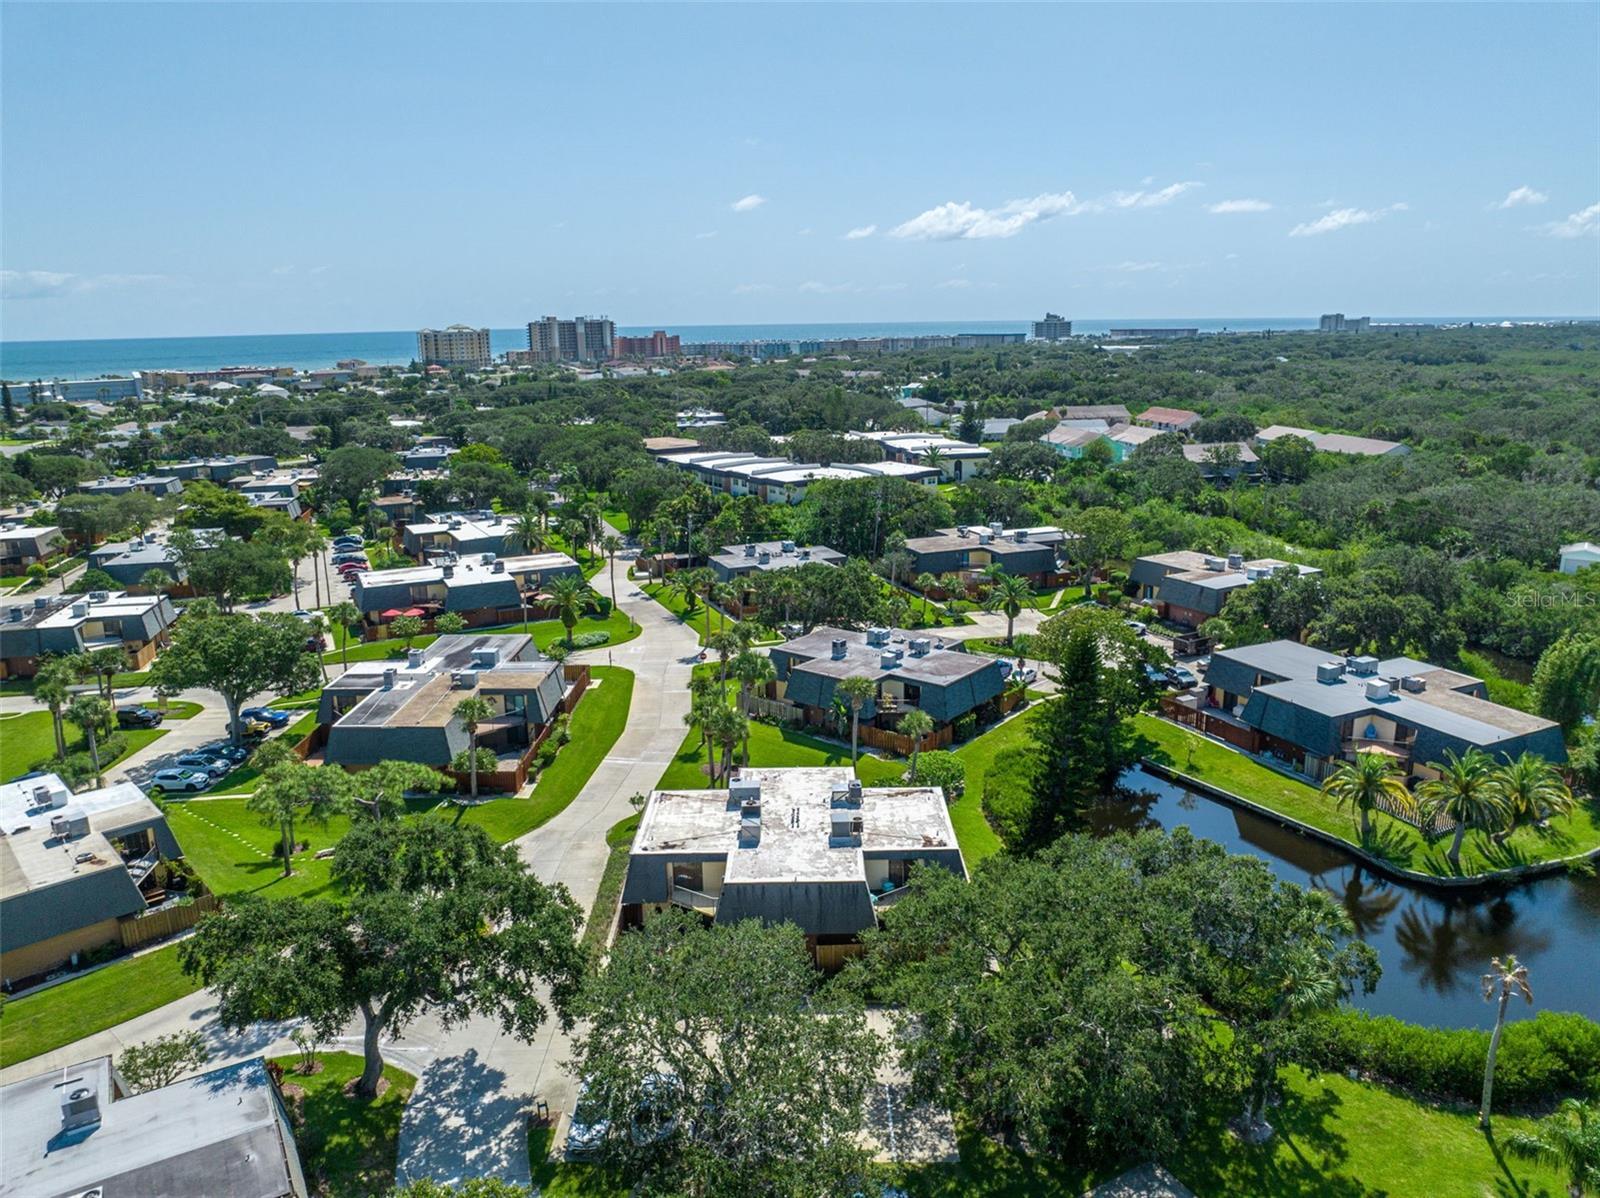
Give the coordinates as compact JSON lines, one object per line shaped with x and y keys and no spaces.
{"x":91,"y":714}
{"x":472,"y":711}
{"x":539,"y":502}
{"x":105,"y":664}
{"x":751,"y":669}
{"x":1301,"y":984}
{"x":705,"y":696}
{"x":1008,"y":593}
{"x":925,"y":583}
{"x":527,"y":532}
{"x":316,"y":545}
{"x":612,"y":544}
{"x":571,"y":597}
{"x":1569,"y":1140}
{"x":344,"y":615}
{"x":1367,"y":782}
{"x":934,"y":456}
{"x":916,"y":724}
{"x":855,"y":690}
{"x":725,"y":729}
{"x":1502,"y":981}
{"x":52,"y":686}
{"x":1468,"y":791}
{"x":1533,"y":790}
{"x":724,"y":644}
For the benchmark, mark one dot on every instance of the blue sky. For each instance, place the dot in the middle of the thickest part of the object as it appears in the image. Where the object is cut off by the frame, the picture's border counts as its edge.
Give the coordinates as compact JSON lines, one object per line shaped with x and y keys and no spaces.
{"x":211,"y":169}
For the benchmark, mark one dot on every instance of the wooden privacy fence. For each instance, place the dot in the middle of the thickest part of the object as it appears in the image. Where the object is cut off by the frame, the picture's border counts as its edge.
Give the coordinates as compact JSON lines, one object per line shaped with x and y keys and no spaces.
{"x":900,"y":744}
{"x":775,"y":709}
{"x":167,"y":921}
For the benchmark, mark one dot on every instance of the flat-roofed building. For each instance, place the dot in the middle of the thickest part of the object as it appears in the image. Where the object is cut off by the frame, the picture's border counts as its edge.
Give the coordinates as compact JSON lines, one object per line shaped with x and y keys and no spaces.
{"x":23,"y":544}
{"x":1052,"y":328}
{"x":458,"y":345}
{"x":65,"y":624}
{"x":477,"y":531}
{"x":779,"y":480}
{"x":128,"y":562}
{"x":72,"y":867}
{"x":1189,"y":587}
{"x":580,"y":339}
{"x":151,"y":484}
{"x":1367,"y":447}
{"x":290,"y":483}
{"x":808,"y":846}
{"x":221,"y":469}
{"x":1149,"y":334}
{"x":1315,"y":710}
{"x":405,"y":710}
{"x":969,"y":549}
{"x":483,"y":589}
{"x":1223,"y":461}
{"x":1168,"y":420}
{"x":77,"y":1132}
{"x":740,"y":563}
{"x":956,"y":460}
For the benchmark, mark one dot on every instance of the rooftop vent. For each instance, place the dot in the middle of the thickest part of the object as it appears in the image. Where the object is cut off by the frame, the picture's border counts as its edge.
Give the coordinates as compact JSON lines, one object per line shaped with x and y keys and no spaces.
{"x":1378,"y":690}
{"x":464,"y":680}
{"x":1413,"y":684}
{"x":486,"y":659}
{"x":389,"y":675}
{"x":80,"y":1104}
{"x":750,"y":549}
{"x":1330,"y":671}
{"x":788,"y":546}
{"x":920,"y":646}
{"x":742,"y":788}
{"x":840,"y":647}
{"x":414,"y":658}
{"x":1235,"y":561}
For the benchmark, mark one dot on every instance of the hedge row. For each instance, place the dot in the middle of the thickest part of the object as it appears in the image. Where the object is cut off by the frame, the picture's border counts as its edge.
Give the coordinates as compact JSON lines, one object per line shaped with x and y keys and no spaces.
{"x":1552,"y":1054}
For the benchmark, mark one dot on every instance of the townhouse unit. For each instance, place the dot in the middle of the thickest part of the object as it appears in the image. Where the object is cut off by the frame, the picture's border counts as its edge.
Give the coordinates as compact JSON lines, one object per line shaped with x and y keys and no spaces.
{"x":221,"y":469}
{"x":291,"y":483}
{"x":1314,"y":710}
{"x":1033,"y":553}
{"x":778,"y":480}
{"x":911,"y":670}
{"x":1070,"y":441}
{"x":445,"y":533}
{"x":151,"y":484}
{"x":956,"y":460}
{"x":404,"y":710}
{"x":136,"y":624}
{"x":427,"y":457}
{"x":1580,"y":555}
{"x":1369,"y":447}
{"x":1125,"y":440}
{"x":23,"y":544}
{"x":808,"y":846}
{"x":1224,"y":461}
{"x":74,"y":867}
{"x":1168,"y":420}
{"x":486,"y":589}
{"x":740,"y":563}
{"x":78,"y":1131}
{"x":128,"y":562}
{"x":1100,"y":416}
{"x":1188,"y":587}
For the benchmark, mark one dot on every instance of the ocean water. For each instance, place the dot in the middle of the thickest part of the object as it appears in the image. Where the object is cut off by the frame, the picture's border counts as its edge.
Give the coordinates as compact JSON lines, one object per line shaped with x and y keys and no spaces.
{"x":21,"y":361}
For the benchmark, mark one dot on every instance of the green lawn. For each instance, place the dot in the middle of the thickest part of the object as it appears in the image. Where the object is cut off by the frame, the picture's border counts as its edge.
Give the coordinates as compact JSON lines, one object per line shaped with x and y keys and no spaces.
{"x":40,"y":1022}
{"x":618,"y":520}
{"x":600,"y":717}
{"x":673,"y":602}
{"x":544,"y":632}
{"x":774,"y":746}
{"x":619,"y":838}
{"x":1393,"y":840}
{"x":348,"y":1146}
{"x":28,"y":742}
{"x":181,"y":709}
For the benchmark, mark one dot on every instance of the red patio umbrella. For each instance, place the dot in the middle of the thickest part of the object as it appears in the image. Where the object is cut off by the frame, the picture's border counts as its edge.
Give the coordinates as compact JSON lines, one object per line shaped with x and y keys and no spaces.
{"x":392,"y":613}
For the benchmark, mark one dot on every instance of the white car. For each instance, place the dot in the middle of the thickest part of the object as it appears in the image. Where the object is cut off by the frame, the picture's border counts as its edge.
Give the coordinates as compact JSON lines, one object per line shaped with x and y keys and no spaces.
{"x":181,"y":780}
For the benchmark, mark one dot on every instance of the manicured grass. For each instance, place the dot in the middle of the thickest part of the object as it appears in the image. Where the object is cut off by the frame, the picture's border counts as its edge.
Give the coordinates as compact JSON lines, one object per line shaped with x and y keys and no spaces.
{"x":44,"y":1021}
{"x":619,"y":838}
{"x":618,"y":520}
{"x":181,"y":709}
{"x":600,"y":717}
{"x":348,"y":1146}
{"x":544,"y":632}
{"x":231,"y":849}
{"x":773,"y":746}
{"x":1393,"y":840}
{"x":674,"y":602}
{"x":973,"y":833}
{"x":28,"y":742}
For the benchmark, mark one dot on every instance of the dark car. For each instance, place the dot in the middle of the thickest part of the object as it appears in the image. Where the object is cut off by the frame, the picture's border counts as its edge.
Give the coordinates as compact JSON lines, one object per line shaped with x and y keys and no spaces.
{"x":347,"y":542}
{"x":343,"y":559}
{"x":271,"y":715}
{"x":225,"y":751}
{"x":1155,"y":676}
{"x":1182,"y":678}
{"x":138,"y":717}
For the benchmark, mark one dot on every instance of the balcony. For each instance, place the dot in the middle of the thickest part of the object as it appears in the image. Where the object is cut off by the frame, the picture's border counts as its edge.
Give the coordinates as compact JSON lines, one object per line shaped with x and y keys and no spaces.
{"x":697,"y":901}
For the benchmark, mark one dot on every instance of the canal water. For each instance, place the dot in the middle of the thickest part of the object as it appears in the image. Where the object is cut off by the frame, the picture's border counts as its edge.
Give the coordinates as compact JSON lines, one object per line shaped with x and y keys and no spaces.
{"x":1434,"y":945}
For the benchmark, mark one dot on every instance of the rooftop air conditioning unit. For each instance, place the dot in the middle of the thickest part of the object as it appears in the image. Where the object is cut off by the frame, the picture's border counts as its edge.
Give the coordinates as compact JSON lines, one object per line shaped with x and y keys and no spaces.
{"x":1020,"y":535}
{"x":17,"y":615}
{"x":1330,"y":671}
{"x":80,"y":1104}
{"x":750,"y":550}
{"x":1378,"y":690}
{"x":486,"y":659}
{"x":996,"y":528}
{"x":1215,"y":563}
{"x":79,"y":610}
{"x":877,"y":636}
{"x":69,"y":824}
{"x":788,"y":546}
{"x":920,"y":646}
{"x":463,"y":680}
{"x":389,"y":675}
{"x":99,"y":596}
{"x":889,"y":659}
{"x":447,"y":571}
{"x":498,"y":568}
{"x":962,"y":530}
{"x":414,"y":658}
{"x":1235,"y":561}
{"x":488,"y":559}
{"x":1365,"y":666}
{"x":840,"y":646}
{"x":40,"y":602}
{"x":1413,"y":684}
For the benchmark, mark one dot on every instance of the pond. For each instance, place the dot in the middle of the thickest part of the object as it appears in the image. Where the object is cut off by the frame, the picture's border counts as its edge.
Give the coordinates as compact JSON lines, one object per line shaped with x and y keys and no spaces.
{"x":1434,"y":945}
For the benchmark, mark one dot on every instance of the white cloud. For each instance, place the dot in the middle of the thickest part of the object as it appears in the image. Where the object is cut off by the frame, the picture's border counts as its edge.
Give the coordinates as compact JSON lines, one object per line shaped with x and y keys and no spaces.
{"x":805,"y":232}
{"x":748,"y":203}
{"x":753,"y":288}
{"x":957,"y":220}
{"x":1135,"y":267}
{"x":1152,"y":199}
{"x":705,"y":236}
{"x":283,"y":270}
{"x":1520,"y":195}
{"x":1582,"y":223}
{"x":48,"y":284}
{"x":863,"y":231}
{"x":813,"y":287}
{"x":955,"y":284}
{"x":1343,"y":218}
{"x":1229,"y":207}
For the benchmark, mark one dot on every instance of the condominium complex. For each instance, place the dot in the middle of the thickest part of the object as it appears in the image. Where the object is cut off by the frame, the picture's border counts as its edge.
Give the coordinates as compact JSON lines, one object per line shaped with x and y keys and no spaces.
{"x":1051,"y":328}
{"x":458,"y":345}
{"x":581,"y":339}
{"x":658,"y":344}
{"x":1338,"y":322}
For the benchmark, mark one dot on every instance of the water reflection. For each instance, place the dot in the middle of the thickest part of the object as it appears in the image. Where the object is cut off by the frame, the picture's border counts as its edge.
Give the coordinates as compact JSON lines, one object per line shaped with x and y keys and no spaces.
{"x":1433,"y":946}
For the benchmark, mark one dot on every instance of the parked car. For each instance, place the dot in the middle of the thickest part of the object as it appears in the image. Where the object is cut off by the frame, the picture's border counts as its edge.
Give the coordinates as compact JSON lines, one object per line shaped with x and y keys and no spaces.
{"x":1155,"y":676}
{"x":249,"y":727}
{"x":1182,"y":677}
{"x":207,"y":763}
{"x":347,"y":542}
{"x":1139,"y":628}
{"x":181,"y":780}
{"x":348,"y":568}
{"x":649,"y":1124}
{"x":1006,"y":666}
{"x":138,"y":717}
{"x":225,"y":750}
{"x":1027,"y":673}
{"x":340,"y":559}
{"x":271,"y":715}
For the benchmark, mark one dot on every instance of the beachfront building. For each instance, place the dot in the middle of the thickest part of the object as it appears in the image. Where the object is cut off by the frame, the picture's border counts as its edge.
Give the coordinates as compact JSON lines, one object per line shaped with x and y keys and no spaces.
{"x":1189,"y":587}
{"x":458,"y":345}
{"x":1052,"y":328}
{"x":580,"y":339}
{"x":808,"y":846}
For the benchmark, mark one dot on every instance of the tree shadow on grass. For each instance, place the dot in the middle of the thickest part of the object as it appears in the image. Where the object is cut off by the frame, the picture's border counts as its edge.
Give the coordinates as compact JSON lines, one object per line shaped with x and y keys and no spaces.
{"x":1508,"y":1184}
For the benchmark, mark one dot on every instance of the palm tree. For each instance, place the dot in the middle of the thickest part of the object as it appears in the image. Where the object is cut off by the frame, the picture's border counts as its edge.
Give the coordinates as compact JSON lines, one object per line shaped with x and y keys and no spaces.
{"x":1533,"y":790}
{"x":1010,"y":593}
{"x":408,"y":628}
{"x":105,"y":664}
{"x":1367,"y":782}
{"x":933,"y":456}
{"x":916,"y":724}
{"x":612,"y":544}
{"x":539,"y":502}
{"x":52,"y":686}
{"x":527,"y":532}
{"x":571,"y":597}
{"x":1503,"y":980}
{"x":472,"y":711}
{"x":316,"y":545}
{"x":1301,"y":985}
{"x":726,"y":729}
{"x":954,"y":587}
{"x":572,"y":532}
{"x":925,"y":583}
{"x":751,"y":670}
{"x":1468,"y":791}
{"x":1569,"y":1140}
{"x":705,"y":696}
{"x":856,"y":690}
{"x":724,"y":644}
{"x":344,"y":615}
{"x":91,"y":714}
{"x":591,"y":517}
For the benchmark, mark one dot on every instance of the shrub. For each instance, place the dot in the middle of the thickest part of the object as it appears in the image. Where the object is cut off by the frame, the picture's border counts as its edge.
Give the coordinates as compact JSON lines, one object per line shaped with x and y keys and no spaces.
{"x":92,"y":580}
{"x":965,"y":726}
{"x":547,"y":752}
{"x":588,"y":640}
{"x":936,"y":767}
{"x":602,"y":608}
{"x":557,"y":651}
{"x":1008,"y":793}
{"x":1552,"y":1054}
